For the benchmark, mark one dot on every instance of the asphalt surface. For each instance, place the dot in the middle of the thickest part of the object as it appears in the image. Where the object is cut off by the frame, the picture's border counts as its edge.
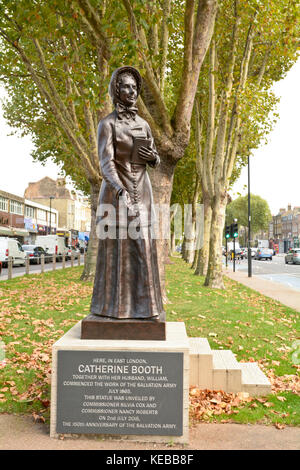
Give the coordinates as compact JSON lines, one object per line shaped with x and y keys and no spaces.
{"x":275,"y":270}
{"x":36,"y":268}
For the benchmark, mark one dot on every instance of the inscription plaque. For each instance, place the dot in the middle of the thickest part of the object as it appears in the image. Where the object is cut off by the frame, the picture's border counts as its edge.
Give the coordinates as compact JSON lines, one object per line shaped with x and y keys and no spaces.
{"x":120,"y":392}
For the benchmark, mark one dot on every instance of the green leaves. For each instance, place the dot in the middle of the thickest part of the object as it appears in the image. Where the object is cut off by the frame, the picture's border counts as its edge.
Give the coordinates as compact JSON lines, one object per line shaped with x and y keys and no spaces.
{"x":260,"y":212}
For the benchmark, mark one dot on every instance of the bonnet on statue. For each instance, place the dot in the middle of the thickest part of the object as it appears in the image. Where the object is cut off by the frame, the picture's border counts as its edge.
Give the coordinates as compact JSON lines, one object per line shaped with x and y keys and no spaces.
{"x":113,"y":89}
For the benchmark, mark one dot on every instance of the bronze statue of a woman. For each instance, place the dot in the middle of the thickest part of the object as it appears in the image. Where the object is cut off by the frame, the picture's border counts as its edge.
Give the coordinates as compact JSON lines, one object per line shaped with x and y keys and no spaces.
{"x":127,"y":282}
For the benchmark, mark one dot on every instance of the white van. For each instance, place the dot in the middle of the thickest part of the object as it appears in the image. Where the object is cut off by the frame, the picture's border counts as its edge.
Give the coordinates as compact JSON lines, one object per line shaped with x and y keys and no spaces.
{"x":11,"y":247}
{"x":53,"y":244}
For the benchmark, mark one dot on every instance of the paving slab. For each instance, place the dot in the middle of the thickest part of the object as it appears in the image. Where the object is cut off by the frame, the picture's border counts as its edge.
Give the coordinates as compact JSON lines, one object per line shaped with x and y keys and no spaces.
{"x":20,"y":432}
{"x":281,"y":293}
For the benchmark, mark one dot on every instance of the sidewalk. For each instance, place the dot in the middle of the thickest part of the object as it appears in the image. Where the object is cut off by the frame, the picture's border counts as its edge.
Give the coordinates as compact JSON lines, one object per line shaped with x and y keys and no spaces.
{"x":21,"y":433}
{"x":275,"y":290}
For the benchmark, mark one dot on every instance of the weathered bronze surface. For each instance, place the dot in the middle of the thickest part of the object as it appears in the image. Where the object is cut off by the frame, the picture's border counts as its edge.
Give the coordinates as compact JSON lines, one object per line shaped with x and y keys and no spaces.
{"x":127,"y":284}
{"x":96,"y":327}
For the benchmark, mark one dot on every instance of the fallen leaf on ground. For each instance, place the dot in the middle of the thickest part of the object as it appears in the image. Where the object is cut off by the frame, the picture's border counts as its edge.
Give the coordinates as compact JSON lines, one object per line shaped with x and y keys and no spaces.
{"x":281,"y":398}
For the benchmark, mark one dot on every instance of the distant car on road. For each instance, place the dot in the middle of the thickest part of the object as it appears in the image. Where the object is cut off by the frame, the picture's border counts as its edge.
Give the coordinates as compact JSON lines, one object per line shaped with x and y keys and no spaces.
{"x":253,"y":252}
{"x":293,"y":256}
{"x":34,"y":254}
{"x":75,"y":251}
{"x":263,"y":253}
{"x":244,"y":253}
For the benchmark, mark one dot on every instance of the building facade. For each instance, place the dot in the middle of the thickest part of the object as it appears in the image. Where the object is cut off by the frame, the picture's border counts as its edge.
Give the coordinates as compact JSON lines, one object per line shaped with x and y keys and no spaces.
{"x":74,"y":211}
{"x":39,"y":220}
{"x":12,"y":216}
{"x":23,"y":219}
{"x":285,"y":229}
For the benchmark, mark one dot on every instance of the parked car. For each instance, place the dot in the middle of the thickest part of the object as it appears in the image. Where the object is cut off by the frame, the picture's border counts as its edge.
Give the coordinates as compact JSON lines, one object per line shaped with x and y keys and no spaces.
{"x":74,"y":250}
{"x":34,"y":253}
{"x":53,"y":244}
{"x":11,"y":247}
{"x":263,"y":253}
{"x":293,"y":256}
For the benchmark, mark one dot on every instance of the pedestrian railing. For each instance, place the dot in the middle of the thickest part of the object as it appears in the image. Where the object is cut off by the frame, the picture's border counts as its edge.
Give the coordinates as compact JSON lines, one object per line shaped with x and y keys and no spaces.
{"x":43,"y":260}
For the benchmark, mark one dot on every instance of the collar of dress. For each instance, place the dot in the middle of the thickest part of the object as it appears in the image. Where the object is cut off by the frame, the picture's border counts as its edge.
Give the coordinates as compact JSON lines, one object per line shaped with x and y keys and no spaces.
{"x":126,"y":112}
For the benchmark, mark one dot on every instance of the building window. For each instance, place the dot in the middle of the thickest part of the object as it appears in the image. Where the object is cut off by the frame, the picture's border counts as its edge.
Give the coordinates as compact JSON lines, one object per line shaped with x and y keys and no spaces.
{"x":29,"y":212}
{"x":16,"y":207}
{"x":53,"y":217}
{"x":41,"y":214}
{"x":3,"y":204}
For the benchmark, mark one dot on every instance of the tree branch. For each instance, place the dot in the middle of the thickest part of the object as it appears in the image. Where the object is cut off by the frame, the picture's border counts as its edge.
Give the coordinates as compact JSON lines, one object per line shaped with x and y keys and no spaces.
{"x":164,"y":42}
{"x":139,"y":35}
{"x":93,"y":21}
{"x":197,"y":39}
{"x":64,"y":123}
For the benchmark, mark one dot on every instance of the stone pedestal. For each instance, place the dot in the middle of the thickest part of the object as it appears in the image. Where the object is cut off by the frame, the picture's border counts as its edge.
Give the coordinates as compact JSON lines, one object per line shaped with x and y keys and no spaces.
{"x":128,"y":389}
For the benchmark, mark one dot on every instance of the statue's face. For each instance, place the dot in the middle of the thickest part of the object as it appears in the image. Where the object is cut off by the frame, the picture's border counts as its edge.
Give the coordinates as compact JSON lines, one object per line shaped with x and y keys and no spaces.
{"x":127,"y":90}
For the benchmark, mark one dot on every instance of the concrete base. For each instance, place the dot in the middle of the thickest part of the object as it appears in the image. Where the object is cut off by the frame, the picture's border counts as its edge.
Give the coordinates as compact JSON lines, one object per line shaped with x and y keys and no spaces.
{"x":219,"y":370}
{"x":176,"y":342}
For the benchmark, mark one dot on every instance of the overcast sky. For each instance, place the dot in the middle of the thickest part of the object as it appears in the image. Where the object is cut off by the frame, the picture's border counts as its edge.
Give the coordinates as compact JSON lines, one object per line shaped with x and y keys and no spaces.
{"x":275,"y":167}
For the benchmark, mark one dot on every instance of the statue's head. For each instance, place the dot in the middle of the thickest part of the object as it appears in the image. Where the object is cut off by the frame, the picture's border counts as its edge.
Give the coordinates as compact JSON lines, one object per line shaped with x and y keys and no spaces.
{"x":125,"y":85}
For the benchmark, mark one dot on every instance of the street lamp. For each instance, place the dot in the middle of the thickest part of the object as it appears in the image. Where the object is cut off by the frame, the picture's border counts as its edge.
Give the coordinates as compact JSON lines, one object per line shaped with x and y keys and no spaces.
{"x":51,"y":197}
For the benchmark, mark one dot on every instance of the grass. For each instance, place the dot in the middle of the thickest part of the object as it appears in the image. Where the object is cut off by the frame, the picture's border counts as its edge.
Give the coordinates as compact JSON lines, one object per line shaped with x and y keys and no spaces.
{"x":36,"y":310}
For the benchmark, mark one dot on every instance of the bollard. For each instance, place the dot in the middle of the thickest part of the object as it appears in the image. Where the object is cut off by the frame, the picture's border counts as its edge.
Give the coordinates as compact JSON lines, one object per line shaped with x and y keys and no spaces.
{"x":72,"y":259}
{"x":78,"y":259}
{"x":54,"y":261}
{"x":42,"y":262}
{"x":64,"y":260}
{"x":27,"y":264}
{"x":9,"y":267}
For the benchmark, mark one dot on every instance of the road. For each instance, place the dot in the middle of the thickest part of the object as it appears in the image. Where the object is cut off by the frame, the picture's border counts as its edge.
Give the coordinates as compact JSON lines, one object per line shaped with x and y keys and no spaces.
{"x":275,"y":270}
{"x":36,"y":268}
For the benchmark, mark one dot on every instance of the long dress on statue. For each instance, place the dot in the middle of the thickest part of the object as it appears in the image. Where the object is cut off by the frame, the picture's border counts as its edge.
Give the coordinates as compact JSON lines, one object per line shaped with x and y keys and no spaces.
{"x":127,"y":284}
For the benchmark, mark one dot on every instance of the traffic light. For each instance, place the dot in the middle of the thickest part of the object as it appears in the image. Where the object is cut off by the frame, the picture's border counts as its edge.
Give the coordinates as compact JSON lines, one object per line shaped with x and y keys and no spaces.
{"x":227,"y":231}
{"x":234,"y":230}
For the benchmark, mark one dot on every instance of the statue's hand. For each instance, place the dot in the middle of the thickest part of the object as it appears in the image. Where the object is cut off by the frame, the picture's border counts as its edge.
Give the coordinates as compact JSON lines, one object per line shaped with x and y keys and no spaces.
{"x":147,"y":154}
{"x":125,"y":197}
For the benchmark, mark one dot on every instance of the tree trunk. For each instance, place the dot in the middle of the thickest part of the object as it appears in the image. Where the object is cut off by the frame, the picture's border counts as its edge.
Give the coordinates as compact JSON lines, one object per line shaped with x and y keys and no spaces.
{"x":172,"y":243}
{"x":162,"y":182}
{"x":91,"y":258}
{"x":195,"y":260}
{"x":183,"y":248}
{"x":190,"y":245}
{"x":214,"y":276}
{"x":203,"y":256}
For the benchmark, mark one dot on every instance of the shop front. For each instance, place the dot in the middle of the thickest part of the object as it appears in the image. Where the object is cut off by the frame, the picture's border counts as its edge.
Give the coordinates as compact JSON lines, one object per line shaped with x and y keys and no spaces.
{"x":61,"y":232}
{"x":32,"y":228}
{"x":42,"y":229}
{"x":12,"y":225}
{"x":74,"y":237}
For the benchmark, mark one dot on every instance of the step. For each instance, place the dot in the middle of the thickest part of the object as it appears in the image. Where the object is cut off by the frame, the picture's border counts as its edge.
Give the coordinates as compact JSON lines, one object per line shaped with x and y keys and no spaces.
{"x":254,"y":380}
{"x":201,"y":363}
{"x":227,"y":372}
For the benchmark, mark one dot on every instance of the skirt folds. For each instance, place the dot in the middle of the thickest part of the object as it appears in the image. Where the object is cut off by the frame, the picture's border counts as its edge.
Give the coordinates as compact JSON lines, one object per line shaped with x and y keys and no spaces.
{"x":127,"y":282}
